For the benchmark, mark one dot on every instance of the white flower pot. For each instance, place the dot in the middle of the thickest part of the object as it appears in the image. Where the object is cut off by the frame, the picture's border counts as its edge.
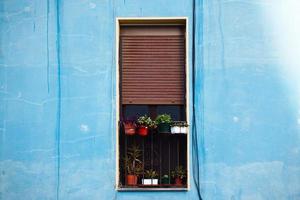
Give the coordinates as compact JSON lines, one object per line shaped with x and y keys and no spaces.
{"x":147,"y":181}
{"x":175,"y":129}
{"x":183,"y":129}
{"x":154,"y":181}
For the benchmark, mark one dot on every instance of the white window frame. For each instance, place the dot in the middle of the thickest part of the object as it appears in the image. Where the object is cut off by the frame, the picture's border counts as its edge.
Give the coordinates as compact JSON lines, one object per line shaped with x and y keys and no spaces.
{"x":152,"y":20}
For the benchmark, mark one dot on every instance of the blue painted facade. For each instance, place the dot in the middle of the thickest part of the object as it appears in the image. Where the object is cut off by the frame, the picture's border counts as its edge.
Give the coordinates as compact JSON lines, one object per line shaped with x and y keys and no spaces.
{"x":57,"y":105}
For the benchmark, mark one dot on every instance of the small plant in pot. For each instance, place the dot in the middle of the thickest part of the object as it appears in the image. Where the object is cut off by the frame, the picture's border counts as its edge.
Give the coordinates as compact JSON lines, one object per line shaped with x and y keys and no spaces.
{"x":129,"y":127}
{"x":163,"y":123}
{"x":165,"y":179}
{"x":144,"y":122}
{"x":133,"y":165}
{"x":175,"y":127}
{"x":179,"y":127}
{"x":151,"y":177}
{"x":178,"y":174}
{"x":184,"y":127}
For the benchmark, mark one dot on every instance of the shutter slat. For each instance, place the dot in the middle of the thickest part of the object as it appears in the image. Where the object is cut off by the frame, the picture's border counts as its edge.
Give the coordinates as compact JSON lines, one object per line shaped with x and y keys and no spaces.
{"x":162,"y":63}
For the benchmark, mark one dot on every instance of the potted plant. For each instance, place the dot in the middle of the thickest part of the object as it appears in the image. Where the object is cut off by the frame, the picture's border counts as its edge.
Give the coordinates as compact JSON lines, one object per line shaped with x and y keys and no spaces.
{"x":144,"y":122}
{"x":163,"y":123}
{"x":175,"y":127}
{"x":133,"y":165}
{"x":179,"y":127}
{"x":178,"y":174}
{"x":150,"y":177}
{"x":153,"y":124}
{"x":129,"y":127}
{"x":184,"y":127}
{"x":165,"y":179}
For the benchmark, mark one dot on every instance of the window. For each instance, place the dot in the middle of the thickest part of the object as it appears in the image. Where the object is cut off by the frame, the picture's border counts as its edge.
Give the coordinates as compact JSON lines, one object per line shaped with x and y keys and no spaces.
{"x":152,"y":155}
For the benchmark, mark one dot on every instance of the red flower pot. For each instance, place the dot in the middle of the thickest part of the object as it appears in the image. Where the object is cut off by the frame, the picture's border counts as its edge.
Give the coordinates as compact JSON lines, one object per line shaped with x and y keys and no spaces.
{"x":131,"y":180}
{"x":129,"y":131}
{"x":178,"y":181}
{"x":143,"y":130}
{"x":129,"y":128}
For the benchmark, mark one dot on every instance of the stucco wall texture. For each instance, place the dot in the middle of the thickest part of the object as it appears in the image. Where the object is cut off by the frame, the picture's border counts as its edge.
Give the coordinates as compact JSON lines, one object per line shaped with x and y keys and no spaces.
{"x":58,"y":92}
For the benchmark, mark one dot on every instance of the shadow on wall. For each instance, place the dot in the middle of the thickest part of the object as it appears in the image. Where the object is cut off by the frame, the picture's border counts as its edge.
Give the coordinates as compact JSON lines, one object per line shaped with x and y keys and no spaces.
{"x":251,"y":100}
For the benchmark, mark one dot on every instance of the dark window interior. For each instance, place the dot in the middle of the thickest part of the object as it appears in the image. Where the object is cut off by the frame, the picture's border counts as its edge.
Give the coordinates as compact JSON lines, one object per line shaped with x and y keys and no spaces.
{"x":161,"y":152}
{"x":177,"y":112}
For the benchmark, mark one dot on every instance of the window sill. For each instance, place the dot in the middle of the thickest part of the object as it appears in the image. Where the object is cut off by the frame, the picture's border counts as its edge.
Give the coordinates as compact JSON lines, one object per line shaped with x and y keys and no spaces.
{"x":152,"y":188}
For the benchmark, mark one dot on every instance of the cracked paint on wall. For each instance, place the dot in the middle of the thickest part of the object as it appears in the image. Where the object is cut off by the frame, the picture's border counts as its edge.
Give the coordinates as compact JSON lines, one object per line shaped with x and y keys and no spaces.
{"x":57,"y":98}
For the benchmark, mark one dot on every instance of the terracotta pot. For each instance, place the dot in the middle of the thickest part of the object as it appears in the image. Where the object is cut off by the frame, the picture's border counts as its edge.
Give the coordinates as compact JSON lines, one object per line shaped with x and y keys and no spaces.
{"x":178,"y":181}
{"x":143,"y":130}
{"x":129,"y":131}
{"x":131,"y":180}
{"x":129,"y":128}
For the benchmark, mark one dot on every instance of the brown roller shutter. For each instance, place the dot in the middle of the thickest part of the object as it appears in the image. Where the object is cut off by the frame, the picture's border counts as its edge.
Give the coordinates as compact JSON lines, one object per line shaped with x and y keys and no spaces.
{"x":152,"y":64}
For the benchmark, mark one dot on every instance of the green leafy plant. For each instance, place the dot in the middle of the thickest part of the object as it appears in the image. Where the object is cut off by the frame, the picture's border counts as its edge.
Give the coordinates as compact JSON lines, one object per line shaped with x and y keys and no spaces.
{"x":184,"y":123}
{"x":132,"y":163}
{"x":165,"y":179}
{"x":144,"y":121}
{"x":180,"y":123}
{"x":153,"y":124}
{"x":163,"y":119}
{"x":151,"y":174}
{"x":165,"y":176}
{"x":179,"y":172}
{"x":176,"y":123}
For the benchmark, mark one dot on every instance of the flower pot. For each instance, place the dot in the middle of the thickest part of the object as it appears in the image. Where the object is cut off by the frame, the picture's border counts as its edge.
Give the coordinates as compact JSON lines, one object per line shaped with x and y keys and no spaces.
{"x":143,"y":130}
{"x":163,"y":128}
{"x":129,"y":128}
{"x":183,"y":129}
{"x":178,"y":181}
{"x":129,"y":131}
{"x":147,"y":181}
{"x":165,"y":180}
{"x":131,"y":180}
{"x":154,"y":181}
{"x":175,"y":129}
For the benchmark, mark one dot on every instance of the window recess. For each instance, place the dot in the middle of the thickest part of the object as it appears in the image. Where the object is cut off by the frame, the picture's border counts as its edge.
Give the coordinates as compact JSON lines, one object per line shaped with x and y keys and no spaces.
{"x":152,"y":82}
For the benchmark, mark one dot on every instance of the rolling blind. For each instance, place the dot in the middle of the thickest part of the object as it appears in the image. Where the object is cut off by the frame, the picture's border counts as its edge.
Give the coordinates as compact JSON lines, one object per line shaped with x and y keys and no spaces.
{"x":152,"y":65}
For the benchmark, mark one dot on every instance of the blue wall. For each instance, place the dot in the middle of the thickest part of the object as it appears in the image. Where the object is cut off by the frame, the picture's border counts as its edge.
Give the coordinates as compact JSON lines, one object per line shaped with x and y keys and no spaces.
{"x":57,"y":88}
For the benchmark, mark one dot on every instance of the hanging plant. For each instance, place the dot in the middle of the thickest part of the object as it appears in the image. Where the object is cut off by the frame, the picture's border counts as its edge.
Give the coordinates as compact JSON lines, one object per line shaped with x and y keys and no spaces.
{"x":163,"y":123}
{"x":144,"y":123}
{"x":129,"y":127}
{"x":179,"y":127}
